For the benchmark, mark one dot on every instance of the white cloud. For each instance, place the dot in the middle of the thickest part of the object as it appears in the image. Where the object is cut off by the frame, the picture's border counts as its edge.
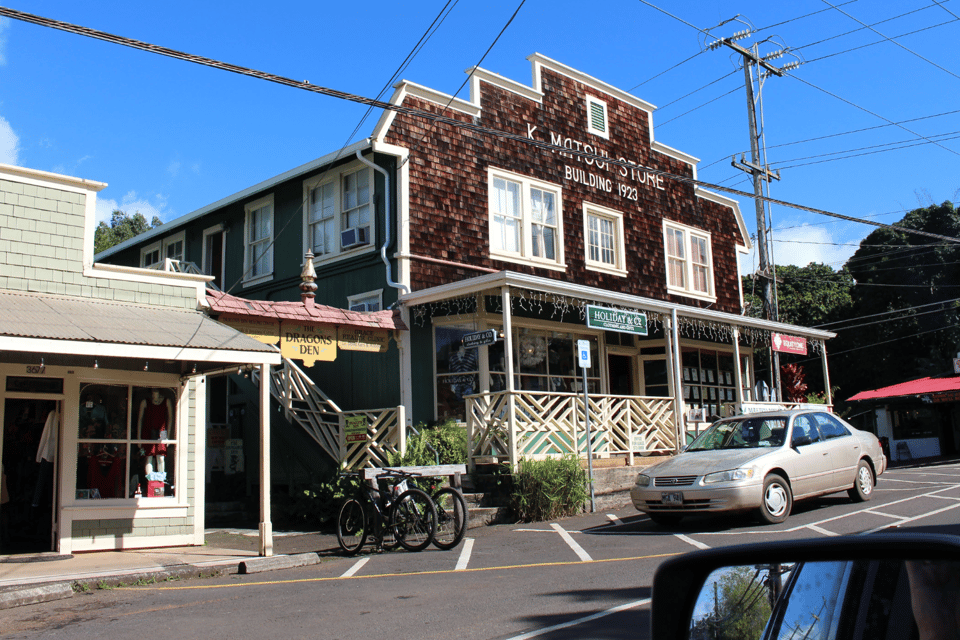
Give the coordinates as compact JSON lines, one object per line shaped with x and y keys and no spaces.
{"x":9,"y":143}
{"x":132,"y":203}
{"x":802,"y":244}
{"x":174,"y":168}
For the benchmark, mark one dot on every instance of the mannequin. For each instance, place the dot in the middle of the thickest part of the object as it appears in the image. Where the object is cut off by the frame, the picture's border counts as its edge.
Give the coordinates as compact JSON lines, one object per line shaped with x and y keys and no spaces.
{"x":154,"y":423}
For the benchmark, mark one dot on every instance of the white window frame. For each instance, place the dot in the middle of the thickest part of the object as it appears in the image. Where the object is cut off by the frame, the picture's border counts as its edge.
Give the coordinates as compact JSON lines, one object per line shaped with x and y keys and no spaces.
{"x":525,"y":254}
{"x":146,"y":262}
{"x":206,"y":256}
{"x":248,"y":279}
{"x":365,"y":299}
{"x":170,"y":242}
{"x":335,"y":178}
{"x":596,"y":102}
{"x":619,"y":244}
{"x":687,"y":261}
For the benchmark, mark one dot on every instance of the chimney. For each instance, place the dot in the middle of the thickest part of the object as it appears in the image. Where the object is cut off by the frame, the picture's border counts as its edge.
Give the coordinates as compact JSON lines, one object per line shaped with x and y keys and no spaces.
{"x":308,"y":287}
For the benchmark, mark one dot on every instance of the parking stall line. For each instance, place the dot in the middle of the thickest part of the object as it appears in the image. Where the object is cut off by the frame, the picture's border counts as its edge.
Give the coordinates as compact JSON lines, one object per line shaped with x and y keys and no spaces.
{"x":881,"y":513}
{"x":464,"y":560}
{"x":821,"y":530}
{"x":356,"y":567}
{"x":915,"y":518}
{"x":573,"y":623}
{"x":577,"y":549}
{"x":691,"y":541}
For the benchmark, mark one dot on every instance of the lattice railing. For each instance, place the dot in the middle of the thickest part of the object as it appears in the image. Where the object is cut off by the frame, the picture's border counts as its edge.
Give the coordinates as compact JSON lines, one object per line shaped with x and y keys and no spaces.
{"x":552,"y":424}
{"x":384,"y":437}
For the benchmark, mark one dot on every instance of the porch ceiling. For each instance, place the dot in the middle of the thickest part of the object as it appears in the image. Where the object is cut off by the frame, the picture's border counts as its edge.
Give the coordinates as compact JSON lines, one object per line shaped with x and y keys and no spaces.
{"x":512,"y":279}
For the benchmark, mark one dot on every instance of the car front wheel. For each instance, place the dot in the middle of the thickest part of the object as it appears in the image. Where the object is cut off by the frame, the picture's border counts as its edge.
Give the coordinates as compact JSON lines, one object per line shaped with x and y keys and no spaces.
{"x":862,"y":489}
{"x":777,"y":500}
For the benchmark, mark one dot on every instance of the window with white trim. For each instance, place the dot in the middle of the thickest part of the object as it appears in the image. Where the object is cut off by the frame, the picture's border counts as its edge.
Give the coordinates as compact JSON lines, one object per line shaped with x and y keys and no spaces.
{"x":370,"y":301}
{"x":604,"y":243}
{"x":689,"y":261}
{"x":525,"y":219}
{"x":153,"y":256}
{"x":339,"y":212}
{"x":597,"y":123}
{"x":258,"y":240}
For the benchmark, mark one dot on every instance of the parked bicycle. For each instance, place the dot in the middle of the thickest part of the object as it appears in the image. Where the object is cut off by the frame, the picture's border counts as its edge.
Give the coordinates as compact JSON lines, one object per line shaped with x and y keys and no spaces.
{"x":451,"y":515}
{"x":392,"y":511}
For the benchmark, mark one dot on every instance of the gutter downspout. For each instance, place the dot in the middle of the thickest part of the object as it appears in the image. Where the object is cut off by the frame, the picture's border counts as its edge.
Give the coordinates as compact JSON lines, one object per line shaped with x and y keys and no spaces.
{"x":386,"y":216}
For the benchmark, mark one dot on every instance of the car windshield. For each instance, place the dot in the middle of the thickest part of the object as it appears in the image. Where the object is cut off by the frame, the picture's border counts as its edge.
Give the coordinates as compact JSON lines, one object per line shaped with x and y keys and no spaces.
{"x":742,"y":433}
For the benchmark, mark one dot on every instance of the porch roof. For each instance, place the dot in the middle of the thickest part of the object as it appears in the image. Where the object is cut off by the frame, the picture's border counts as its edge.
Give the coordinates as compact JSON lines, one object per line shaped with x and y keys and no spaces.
{"x":229,"y":305}
{"x":547,"y":285}
{"x":922,"y":386}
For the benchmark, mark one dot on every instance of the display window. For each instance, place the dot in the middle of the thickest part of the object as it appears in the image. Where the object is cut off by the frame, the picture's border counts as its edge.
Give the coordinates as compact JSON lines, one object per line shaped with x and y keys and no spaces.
{"x":708,"y":380}
{"x":458,"y":370}
{"x":127,"y":442}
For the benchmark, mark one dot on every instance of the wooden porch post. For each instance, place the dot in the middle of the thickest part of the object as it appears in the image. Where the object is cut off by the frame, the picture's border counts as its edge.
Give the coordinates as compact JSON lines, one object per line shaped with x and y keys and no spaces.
{"x":737,"y":374}
{"x":266,"y":526}
{"x":673,"y":338}
{"x":508,"y":365}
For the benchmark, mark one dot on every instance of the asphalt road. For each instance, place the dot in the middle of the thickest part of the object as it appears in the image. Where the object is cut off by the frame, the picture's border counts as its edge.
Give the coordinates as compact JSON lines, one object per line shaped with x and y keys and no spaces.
{"x":583,"y":577}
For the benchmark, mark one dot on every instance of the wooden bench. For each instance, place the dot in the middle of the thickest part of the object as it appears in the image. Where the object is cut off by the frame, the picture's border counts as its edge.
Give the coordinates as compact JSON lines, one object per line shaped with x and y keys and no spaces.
{"x":452,"y":471}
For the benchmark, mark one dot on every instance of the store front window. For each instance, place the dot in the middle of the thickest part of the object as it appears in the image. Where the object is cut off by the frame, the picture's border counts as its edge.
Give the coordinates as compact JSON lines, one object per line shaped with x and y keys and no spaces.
{"x":708,"y":379}
{"x":458,"y":371}
{"x":916,"y":422}
{"x":545,"y":361}
{"x":127,"y":442}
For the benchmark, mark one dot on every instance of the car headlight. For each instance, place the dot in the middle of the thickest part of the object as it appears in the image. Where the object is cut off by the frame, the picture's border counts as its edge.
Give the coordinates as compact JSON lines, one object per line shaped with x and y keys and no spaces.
{"x":728,"y":476}
{"x":643,"y":481}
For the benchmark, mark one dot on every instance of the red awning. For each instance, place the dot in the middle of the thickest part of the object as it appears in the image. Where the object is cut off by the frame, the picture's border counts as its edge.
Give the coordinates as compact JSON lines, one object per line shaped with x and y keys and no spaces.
{"x":912,"y":388}
{"x":224,"y":303}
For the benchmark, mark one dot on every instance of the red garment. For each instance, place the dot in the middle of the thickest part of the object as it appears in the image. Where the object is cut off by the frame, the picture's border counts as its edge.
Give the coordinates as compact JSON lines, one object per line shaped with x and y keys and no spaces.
{"x":103,"y":471}
{"x":155,"y":418}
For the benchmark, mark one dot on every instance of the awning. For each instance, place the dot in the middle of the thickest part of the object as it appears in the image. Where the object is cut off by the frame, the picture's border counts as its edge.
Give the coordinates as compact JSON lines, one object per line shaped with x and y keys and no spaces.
{"x":922,"y":386}
{"x":38,"y":323}
{"x":226,"y":304}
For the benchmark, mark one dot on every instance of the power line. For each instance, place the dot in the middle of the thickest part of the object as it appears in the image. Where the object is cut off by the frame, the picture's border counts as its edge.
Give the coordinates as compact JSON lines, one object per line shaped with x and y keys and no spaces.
{"x":417,"y":113}
{"x":876,"y":42}
{"x":847,"y":33}
{"x":664,"y":71}
{"x":735,"y":89}
{"x":700,"y":89}
{"x":907,"y":49}
{"x":885,"y":313}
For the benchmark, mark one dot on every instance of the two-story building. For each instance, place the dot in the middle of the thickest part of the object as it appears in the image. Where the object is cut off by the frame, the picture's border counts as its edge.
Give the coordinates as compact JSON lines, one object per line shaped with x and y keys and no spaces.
{"x":576,"y":235}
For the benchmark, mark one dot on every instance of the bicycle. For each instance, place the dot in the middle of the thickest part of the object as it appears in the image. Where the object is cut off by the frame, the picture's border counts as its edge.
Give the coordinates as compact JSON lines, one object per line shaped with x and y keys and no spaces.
{"x":408,"y":513}
{"x":451,"y":516}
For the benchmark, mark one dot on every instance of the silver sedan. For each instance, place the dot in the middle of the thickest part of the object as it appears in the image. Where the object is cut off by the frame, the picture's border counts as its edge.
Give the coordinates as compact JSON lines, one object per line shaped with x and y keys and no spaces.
{"x":763,"y":462}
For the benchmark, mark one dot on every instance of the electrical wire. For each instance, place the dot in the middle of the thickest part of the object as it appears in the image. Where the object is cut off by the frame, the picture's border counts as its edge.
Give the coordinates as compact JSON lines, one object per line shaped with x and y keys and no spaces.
{"x":885,"y":313}
{"x":417,"y":113}
{"x":700,"y":89}
{"x":734,"y":90}
{"x":876,"y":42}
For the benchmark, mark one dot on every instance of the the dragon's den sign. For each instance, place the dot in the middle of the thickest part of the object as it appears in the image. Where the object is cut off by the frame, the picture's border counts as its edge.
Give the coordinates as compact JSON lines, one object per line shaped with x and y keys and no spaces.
{"x":308,"y":343}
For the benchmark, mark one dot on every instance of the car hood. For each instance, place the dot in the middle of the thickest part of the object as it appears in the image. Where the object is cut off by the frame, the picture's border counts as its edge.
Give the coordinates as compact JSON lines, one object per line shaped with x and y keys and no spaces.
{"x":700,"y":463}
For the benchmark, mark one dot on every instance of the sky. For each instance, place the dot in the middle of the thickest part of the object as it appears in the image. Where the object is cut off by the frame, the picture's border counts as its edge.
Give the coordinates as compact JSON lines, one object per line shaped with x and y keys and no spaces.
{"x":863,"y":127}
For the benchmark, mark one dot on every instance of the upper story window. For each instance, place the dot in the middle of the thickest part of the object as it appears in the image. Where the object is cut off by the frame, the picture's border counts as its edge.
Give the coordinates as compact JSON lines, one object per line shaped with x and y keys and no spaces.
{"x":597,"y":117}
{"x":153,"y":256}
{"x":689,"y":261}
{"x":604,"y":241}
{"x":370,"y":301}
{"x":258,"y":240}
{"x":339,"y":213}
{"x":525,"y":220}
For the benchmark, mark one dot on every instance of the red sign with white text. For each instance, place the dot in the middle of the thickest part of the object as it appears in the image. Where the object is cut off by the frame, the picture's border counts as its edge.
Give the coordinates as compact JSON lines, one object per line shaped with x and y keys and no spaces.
{"x":789,"y":344}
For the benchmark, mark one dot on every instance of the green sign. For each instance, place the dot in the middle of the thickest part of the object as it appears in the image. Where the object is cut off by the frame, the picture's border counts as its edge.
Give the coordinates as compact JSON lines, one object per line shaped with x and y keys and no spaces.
{"x":616,"y":320}
{"x":355,"y":429}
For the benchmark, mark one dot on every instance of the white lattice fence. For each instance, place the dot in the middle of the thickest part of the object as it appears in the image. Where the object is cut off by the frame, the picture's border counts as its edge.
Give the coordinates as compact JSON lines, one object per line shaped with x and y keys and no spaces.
{"x":488,"y":424}
{"x":381,"y":437}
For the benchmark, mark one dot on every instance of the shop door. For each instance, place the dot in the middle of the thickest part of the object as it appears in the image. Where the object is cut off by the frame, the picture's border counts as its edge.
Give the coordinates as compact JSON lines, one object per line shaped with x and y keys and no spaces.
{"x":620,"y":372}
{"x":28,"y":513}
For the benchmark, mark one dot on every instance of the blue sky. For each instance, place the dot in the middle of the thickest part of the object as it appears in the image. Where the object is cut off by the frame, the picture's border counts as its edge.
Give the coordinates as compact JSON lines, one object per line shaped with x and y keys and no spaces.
{"x":170,"y":137}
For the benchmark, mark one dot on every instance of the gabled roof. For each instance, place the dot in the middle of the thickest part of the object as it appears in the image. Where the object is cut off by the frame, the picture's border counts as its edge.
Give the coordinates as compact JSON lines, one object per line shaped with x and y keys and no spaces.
{"x":224,"y":303}
{"x":922,"y":386}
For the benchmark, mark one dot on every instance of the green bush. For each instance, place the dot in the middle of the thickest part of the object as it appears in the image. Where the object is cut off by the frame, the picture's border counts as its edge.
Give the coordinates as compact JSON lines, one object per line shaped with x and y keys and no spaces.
{"x":448,"y":438}
{"x":317,"y":506}
{"x":549,"y":489}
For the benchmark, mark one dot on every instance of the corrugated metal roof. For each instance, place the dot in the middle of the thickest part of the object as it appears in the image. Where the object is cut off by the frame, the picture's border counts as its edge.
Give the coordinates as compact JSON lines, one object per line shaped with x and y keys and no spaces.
{"x":911,"y":388}
{"x":28,"y":315}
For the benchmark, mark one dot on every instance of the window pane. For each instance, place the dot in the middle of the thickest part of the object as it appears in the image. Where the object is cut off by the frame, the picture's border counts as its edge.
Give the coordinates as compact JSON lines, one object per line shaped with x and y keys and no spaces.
{"x":675,"y":273}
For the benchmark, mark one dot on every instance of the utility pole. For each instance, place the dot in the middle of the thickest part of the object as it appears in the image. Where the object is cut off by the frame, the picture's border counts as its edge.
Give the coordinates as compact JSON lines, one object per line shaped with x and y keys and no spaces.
{"x":760,"y":172}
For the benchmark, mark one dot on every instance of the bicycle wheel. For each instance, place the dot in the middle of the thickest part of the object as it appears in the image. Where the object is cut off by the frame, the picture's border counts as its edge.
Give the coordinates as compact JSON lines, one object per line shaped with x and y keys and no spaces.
{"x":413,"y":519}
{"x":351,"y":527}
{"x":451,"y":518}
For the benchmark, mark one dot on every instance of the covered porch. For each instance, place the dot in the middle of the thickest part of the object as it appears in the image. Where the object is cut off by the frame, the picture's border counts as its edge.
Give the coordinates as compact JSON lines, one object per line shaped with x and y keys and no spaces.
{"x":523,"y":395}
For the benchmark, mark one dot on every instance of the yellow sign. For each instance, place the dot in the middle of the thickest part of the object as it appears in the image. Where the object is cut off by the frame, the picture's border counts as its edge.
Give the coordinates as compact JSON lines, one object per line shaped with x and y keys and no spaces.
{"x":357,"y":339}
{"x":355,"y":429}
{"x":266,"y":331}
{"x":308,"y":343}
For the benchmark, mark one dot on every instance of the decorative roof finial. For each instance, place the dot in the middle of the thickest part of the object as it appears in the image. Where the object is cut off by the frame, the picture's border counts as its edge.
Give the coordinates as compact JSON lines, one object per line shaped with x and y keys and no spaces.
{"x":308,"y":275}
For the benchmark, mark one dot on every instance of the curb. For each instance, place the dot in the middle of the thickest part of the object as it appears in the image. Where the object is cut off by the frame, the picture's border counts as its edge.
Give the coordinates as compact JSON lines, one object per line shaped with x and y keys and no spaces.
{"x":35,"y":595}
{"x":259,"y":565}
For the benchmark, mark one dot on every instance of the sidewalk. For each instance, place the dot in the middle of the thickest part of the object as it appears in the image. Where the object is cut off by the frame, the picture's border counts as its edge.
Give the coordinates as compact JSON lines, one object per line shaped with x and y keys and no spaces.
{"x":31,"y":578}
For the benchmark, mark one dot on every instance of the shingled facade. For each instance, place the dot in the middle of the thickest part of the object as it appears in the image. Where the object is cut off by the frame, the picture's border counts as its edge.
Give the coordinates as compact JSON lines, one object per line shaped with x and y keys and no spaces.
{"x":462,"y":229}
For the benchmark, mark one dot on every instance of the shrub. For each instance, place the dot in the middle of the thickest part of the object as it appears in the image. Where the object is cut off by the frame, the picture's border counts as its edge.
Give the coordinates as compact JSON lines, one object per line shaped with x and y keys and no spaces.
{"x":317,"y":506}
{"x":448,"y":438}
{"x":549,"y":489}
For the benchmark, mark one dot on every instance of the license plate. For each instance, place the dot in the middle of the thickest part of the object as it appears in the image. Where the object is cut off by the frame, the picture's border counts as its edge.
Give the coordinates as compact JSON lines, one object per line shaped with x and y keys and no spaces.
{"x":672,"y":498}
{"x":401,"y":486}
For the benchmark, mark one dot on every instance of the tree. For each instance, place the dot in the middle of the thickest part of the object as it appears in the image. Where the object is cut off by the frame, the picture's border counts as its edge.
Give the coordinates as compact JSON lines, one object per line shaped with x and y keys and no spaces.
{"x":122,"y":227}
{"x":737,"y":603}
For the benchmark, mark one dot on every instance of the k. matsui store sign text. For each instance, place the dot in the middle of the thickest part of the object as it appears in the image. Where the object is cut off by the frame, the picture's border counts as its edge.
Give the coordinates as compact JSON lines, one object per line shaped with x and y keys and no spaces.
{"x":789,"y":344}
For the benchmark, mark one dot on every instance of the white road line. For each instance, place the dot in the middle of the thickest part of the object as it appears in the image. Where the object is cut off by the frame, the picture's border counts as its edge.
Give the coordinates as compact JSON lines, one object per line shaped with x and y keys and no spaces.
{"x":941,"y":482}
{"x":614,"y":519}
{"x":573,"y":623}
{"x":915,"y":518}
{"x":691,"y":541}
{"x":881,"y":513}
{"x":945,"y":497}
{"x":821,"y":531}
{"x":464,"y":559}
{"x":577,"y":549}
{"x":356,"y":567}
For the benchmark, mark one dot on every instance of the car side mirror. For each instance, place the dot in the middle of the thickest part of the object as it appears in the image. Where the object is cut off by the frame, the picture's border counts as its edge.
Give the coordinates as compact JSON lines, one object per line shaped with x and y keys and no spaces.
{"x":825,"y":588}
{"x":799,"y":441}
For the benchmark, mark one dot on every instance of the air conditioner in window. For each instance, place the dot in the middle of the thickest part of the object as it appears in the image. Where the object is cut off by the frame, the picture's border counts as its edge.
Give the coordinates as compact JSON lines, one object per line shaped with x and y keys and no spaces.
{"x":354,"y":236}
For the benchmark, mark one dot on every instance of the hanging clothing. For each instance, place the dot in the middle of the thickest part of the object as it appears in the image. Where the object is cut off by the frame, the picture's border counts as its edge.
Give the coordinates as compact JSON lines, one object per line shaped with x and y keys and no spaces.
{"x":155,"y":421}
{"x":48,"y":441}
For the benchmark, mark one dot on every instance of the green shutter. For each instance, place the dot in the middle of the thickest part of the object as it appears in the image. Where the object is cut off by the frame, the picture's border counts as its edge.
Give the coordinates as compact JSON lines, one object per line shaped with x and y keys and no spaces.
{"x":597,"y":120}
